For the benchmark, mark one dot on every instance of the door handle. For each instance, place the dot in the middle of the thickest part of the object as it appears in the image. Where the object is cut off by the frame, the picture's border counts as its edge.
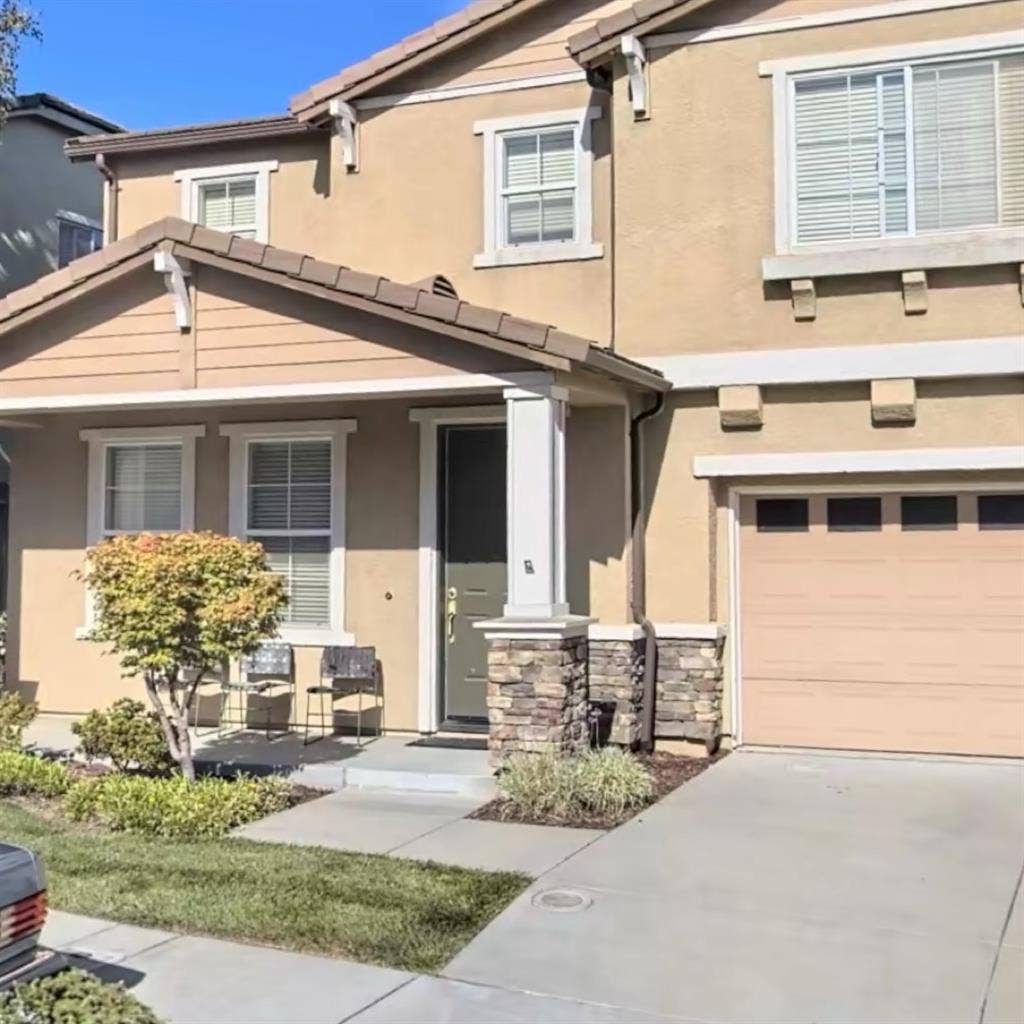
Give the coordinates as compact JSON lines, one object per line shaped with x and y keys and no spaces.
{"x":451,"y":610}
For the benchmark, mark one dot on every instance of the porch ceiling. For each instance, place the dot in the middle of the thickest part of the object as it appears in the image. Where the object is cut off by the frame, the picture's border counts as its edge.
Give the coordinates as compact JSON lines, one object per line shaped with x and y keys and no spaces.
{"x":412,"y":304}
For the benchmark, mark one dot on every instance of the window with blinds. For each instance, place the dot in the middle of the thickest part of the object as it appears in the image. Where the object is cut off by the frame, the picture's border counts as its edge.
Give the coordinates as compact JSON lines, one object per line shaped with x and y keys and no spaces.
{"x":288,"y":510}
{"x":909,"y":150}
{"x":229,"y":206}
{"x":538,"y":186}
{"x":142,"y":488}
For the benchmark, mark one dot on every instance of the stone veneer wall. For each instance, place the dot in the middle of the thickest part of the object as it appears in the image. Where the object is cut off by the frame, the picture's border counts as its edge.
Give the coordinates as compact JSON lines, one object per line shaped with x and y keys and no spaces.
{"x":689,"y":690}
{"x":537,"y":696}
{"x":616,"y":669}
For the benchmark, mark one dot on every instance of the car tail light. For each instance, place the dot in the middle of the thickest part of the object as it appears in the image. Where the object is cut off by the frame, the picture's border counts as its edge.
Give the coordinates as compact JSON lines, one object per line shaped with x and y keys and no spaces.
{"x":22,"y":918}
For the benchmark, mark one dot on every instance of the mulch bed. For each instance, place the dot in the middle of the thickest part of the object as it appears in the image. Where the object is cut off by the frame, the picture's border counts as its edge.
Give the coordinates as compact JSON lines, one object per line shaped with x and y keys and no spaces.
{"x":668,"y":772}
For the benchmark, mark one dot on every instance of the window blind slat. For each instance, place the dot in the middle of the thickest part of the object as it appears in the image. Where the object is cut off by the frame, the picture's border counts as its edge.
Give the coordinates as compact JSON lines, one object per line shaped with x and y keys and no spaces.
{"x":143,"y":488}
{"x":522,"y":161}
{"x":955,"y":146}
{"x":558,"y":158}
{"x":1011,"y":143}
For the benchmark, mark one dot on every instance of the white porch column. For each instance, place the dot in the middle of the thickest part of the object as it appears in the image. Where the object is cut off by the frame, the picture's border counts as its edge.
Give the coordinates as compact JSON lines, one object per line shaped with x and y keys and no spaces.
{"x":536,"y":502}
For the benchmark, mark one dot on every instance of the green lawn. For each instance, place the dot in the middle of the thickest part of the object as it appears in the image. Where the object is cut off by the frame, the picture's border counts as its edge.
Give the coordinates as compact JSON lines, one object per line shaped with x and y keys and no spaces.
{"x":379,"y":910}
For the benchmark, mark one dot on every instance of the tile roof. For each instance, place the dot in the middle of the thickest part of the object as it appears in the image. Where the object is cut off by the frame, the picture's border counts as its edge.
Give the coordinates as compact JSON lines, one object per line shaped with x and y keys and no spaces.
{"x":426,"y":307}
{"x":43,"y":101}
{"x":643,"y":16}
{"x":472,"y":17}
{"x":182,"y":136}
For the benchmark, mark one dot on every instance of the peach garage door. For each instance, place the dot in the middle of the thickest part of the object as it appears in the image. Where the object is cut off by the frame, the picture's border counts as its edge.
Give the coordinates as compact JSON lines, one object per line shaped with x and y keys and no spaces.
{"x":884,"y":621}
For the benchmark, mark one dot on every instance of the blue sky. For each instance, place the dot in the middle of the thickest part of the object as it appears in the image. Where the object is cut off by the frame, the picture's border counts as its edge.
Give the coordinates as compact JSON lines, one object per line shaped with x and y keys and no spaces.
{"x":148,"y":63}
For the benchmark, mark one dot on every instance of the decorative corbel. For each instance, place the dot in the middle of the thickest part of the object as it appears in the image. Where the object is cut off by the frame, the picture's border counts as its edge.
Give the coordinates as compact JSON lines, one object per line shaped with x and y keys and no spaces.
{"x":175,"y":271}
{"x":636,"y":65}
{"x":344,"y":116}
{"x":805,"y":298}
{"x":915,"y":291}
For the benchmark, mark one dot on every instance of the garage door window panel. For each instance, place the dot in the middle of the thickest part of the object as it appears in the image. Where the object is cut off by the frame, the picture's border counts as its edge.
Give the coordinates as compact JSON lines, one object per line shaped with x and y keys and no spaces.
{"x":1001,"y":511}
{"x":854,"y":515}
{"x":928,"y":512}
{"x":782,"y":515}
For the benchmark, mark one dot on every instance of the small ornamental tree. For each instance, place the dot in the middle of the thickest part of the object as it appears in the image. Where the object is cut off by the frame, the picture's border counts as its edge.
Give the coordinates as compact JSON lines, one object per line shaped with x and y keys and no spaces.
{"x":174,"y":606}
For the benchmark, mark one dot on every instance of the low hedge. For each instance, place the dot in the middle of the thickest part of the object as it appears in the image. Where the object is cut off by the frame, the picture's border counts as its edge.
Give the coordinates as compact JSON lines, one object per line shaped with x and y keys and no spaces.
{"x":72,"y":997}
{"x":27,"y":775}
{"x":128,"y":735}
{"x":173,"y":808}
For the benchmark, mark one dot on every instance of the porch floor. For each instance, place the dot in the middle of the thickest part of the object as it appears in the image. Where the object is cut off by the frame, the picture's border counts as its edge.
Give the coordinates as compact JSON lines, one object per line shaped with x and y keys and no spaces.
{"x":382,"y":762}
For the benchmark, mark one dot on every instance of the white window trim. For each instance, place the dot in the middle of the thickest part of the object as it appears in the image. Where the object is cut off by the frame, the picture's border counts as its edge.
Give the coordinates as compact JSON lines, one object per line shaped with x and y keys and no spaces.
{"x":99,"y":440}
{"x":583,"y":247}
{"x":972,"y":247}
{"x":190,"y":180}
{"x":335,"y":431}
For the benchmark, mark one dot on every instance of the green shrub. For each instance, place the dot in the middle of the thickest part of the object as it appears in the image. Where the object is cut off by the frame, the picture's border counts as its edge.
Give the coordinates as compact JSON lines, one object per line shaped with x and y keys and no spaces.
{"x":72,"y":997}
{"x":127,"y":735}
{"x":27,"y":775}
{"x":172,"y":807}
{"x":603,"y":783}
{"x":15,"y":716}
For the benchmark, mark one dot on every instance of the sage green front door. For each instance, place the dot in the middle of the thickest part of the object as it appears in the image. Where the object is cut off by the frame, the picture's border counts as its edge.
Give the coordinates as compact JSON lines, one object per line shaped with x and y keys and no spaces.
{"x":473,"y":568}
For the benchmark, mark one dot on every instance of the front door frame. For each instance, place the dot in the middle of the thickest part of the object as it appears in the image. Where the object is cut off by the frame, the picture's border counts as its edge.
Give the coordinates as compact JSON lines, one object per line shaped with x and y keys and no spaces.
{"x":429,"y":661}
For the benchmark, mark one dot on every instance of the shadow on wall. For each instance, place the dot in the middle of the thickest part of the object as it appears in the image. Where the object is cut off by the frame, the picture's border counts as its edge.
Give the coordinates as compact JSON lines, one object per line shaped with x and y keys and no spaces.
{"x":27,"y":254}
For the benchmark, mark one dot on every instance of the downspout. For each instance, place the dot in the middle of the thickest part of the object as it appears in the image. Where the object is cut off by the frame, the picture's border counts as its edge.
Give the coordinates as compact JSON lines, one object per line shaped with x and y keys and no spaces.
{"x":638,"y":581}
{"x":110,"y":210}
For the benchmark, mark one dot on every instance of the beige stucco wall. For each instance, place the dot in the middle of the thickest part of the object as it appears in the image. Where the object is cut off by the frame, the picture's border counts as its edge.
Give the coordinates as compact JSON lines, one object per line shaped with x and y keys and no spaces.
{"x":415,"y":206}
{"x":694,"y":205}
{"x":48,"y":482}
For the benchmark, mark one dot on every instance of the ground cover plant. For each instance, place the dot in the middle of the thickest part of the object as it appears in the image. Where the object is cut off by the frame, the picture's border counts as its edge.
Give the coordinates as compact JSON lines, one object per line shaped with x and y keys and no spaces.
{"x":595,"y":789}
{"x":72,"y":997}
{"x":375,"y":909}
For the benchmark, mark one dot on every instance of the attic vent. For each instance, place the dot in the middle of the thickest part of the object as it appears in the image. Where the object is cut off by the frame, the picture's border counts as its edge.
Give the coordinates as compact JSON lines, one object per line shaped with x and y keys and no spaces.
{"x":437,"y":284}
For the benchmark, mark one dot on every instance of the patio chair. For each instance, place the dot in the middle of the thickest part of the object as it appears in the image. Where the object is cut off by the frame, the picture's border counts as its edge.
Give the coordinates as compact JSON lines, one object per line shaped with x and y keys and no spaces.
{"x":344,"y":672}
{"x":267,"y":672}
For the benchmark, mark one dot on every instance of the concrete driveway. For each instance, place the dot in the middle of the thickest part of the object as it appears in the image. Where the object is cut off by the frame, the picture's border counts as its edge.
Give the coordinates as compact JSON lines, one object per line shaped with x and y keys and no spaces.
{"x":789,"y":887}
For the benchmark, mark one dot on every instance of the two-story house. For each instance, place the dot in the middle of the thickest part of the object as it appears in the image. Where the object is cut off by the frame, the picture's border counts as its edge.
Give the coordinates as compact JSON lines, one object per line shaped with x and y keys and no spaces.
{"x":762,"y":482}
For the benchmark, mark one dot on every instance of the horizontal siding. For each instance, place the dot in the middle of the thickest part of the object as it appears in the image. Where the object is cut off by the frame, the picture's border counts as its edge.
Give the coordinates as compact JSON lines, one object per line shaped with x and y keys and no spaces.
{"x":315,"y":373}
{"x":103,"y":383}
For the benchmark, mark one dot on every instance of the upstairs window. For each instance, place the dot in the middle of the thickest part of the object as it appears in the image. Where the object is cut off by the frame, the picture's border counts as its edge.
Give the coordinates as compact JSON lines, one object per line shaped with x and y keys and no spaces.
{"x":537,"y":188}
{"x":909,"y":149}
{"x":229,"y":206}
{"x":233,"y":198}
{"x":76,"y":237}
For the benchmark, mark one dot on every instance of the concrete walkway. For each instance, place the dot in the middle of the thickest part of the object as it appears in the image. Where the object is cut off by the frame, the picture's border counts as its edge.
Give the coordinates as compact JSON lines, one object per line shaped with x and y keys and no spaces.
{"x":188,"y":980}
{"x":789,"y":887}
{"x":421,"y":826}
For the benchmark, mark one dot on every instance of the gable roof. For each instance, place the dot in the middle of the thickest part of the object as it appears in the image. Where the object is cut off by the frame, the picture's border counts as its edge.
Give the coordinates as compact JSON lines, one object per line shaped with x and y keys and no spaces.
{"x":418,"y":305}
{"x":592,"y":45}
{"x":442,"y":36}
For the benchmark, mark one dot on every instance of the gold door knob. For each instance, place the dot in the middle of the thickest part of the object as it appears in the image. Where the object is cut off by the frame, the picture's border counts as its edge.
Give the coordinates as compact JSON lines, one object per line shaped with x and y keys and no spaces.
{"x":451,"y":610}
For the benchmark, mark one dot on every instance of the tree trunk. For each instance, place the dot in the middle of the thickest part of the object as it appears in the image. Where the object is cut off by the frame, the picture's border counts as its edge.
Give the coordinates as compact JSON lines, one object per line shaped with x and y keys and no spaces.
{"x":175,"y":729}
{"x":185,"y":762}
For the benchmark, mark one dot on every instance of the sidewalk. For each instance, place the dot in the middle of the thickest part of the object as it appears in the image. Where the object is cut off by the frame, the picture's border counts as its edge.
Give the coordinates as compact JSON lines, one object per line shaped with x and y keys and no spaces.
{"x":189,"y":980}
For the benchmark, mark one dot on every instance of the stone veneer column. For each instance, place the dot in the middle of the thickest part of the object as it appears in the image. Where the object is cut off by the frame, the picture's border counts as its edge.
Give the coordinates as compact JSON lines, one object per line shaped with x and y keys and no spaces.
{"x":690,"y":684}
{"x":616,"y":669}
{"x":537,"y":693}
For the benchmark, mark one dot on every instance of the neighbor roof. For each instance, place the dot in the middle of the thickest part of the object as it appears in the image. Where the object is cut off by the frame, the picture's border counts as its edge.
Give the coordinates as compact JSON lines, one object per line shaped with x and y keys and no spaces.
{"x":44,"y":104}
{"x":411,"y":304}
{"x":593,"y":44}
{"x":442,"y":36}
{"x":183,"y":136}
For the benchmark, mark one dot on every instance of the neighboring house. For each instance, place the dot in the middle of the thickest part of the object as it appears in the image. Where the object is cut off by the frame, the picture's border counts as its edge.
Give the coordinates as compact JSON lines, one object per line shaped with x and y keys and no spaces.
{"x":50,"y":209}
{"x":782,"y":242}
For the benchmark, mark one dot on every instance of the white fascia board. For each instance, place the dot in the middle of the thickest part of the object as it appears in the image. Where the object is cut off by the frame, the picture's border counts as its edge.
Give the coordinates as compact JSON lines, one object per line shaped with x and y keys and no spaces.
{"x":969,"y":357}
{"x":904,"y":460}
{"x":936,"y":48}
{"x":898,"y":8}
{"x":477,"y":89}
{"x":385,"y":387}
{"x":972,"y":250}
